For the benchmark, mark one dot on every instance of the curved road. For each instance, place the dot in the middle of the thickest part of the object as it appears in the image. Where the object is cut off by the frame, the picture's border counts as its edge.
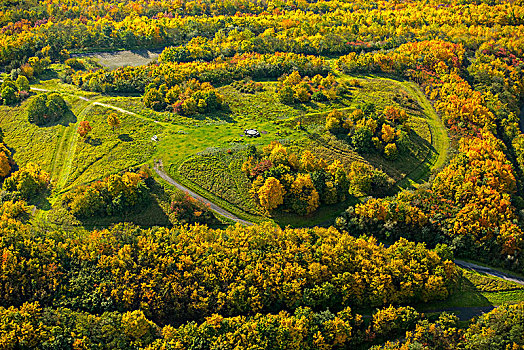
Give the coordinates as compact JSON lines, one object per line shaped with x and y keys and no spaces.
{"x":159,"y":170}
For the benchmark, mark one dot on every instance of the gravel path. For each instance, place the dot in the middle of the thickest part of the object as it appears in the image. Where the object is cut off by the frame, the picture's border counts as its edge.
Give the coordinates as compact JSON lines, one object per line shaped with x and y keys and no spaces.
{"x":159,"y":170}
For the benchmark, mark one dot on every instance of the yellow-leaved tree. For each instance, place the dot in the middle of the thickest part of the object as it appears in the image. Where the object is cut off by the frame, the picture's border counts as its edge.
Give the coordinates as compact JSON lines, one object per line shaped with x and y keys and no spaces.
{"x":305,"y":196}
{"x":113,"y":121}
{"x":271,"y":194}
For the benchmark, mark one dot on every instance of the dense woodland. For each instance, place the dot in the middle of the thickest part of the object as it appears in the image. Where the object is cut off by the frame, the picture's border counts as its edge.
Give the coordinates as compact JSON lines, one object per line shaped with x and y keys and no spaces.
{"x":78,"y":272}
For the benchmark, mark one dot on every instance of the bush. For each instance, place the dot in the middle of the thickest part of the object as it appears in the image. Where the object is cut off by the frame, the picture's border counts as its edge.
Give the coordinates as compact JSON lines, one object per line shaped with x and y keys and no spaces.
{"x":390,"y":151}
{"x":22,"y":83}
{"x":9,"y":95}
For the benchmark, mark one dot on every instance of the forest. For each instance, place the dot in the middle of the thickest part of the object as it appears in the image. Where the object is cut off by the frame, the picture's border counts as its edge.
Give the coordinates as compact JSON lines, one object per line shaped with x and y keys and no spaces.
{"x":218,"y":174}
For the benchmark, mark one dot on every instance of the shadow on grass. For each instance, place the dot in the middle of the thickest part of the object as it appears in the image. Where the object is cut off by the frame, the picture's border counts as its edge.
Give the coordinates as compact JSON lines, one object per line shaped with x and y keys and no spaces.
{"x":148,"y":215}
{"x":125,"y":138}
{"x":466,"y":302}
{"x":47,"y":74}
{"x":40,"y":201}
{"x":94,"y":142}
{"x":224,"y":114}
{"x":324,"y":216}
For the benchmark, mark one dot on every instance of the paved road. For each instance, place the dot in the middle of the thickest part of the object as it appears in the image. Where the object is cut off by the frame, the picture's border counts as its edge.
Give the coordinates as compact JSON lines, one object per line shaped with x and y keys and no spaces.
{"x":490,"y":272}
{"x":159,"y":170}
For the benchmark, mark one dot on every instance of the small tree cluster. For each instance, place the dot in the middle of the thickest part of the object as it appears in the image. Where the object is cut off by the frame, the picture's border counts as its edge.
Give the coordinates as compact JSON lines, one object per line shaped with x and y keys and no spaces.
{"x":27,"y":182}
{"x":293,"y":88}
{"x":46,"y":108}
{"x":299,"y":185}
{"x":369,"y":131}
{"x":114,"y":195}
{"x":186,"y":210}
{"x":11,"y":92}
{"x":188,"y":98}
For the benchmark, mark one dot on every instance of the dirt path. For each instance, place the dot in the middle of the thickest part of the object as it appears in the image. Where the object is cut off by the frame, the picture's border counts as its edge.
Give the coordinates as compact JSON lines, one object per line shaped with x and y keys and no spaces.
{"x":65,"y":147}
{"x":159,"y":170}
{"x":67,"y":164}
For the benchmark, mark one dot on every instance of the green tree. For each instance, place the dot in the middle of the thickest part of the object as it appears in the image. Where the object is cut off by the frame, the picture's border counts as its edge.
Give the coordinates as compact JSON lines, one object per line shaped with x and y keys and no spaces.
{"x":286,"y":95}
{"x":36,"y":110}
{"x":9,"y":95}
{"x":113,"y":121}
{"x":56,"y":107}
{"x":23,"y":83}
{"x":361,"y":140}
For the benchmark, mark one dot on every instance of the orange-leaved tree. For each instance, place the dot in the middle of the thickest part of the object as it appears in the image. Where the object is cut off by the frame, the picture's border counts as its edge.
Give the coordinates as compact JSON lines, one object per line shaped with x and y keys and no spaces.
{"x":84,"y":128}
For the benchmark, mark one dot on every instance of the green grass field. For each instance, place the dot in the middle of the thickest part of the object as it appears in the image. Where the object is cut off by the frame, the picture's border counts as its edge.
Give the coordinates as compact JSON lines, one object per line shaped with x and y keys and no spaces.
{"x":105,"y":152}
{"x":186,"y":143}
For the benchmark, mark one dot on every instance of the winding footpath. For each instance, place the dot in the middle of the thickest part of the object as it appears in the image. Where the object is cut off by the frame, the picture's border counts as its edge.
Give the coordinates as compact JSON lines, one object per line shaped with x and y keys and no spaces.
{"x":221,"y":211}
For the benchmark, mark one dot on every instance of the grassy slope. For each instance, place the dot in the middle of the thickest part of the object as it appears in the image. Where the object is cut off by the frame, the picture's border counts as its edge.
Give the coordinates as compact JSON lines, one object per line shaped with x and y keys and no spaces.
{"x":43,"y":145}
{"x":264,"y":112}
{"x":72,"y":161}
{"x":439,"y":136}
{"x":59,"y":150}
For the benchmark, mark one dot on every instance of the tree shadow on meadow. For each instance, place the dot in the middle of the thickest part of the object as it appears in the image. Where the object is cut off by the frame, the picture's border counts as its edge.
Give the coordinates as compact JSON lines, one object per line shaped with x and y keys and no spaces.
{"x":67,"y":119}
{"x":125,"y":138}
{"x":94,"y":141}
{"x":148,"y":215}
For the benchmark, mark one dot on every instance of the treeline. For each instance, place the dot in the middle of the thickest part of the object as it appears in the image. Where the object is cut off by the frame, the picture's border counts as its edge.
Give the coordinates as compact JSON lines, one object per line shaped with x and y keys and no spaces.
{"x":189,"y":273}
{"x":136,"y":79}
{"x":32,"y":326}
{"x":339,"y":28}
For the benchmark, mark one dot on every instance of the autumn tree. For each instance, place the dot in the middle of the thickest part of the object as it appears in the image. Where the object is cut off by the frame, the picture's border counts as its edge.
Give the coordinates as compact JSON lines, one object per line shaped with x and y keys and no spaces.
{"x":5,"y":164}
{"x":84,"y":129}
{"x":271,"y":194}
{"x":305,"y":197}
{"x":113,"y":121}
{"x":28,"y":181}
